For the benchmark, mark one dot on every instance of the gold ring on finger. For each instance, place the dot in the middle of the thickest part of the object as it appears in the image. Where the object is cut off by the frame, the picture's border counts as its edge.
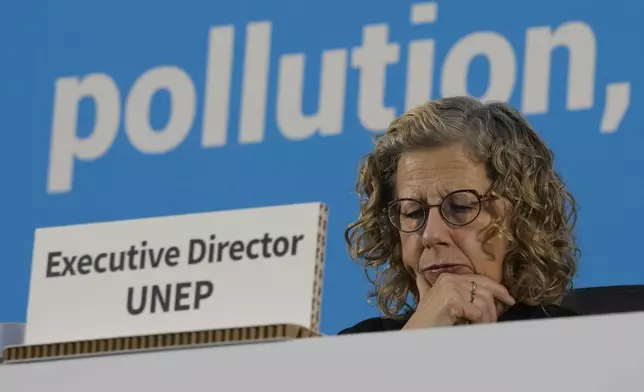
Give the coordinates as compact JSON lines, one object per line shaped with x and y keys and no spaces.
{"x":473,"y":294}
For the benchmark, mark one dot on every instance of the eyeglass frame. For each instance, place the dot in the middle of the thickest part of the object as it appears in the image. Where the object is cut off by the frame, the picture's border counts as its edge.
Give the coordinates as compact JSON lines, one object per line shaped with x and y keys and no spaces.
{"x":427,"y":208}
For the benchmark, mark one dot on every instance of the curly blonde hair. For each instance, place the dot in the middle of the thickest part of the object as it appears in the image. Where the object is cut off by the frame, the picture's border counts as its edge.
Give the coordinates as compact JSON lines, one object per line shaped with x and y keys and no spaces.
{"x":542,"y":255}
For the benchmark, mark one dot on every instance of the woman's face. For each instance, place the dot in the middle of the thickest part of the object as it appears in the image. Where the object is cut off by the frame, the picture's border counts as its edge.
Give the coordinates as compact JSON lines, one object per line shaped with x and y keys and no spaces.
{"x":438,"y":246}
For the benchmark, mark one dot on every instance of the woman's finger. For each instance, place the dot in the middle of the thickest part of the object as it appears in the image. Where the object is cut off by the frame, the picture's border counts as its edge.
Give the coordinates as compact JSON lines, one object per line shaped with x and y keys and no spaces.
{"x":497,"y":290}
{"x":472,"y":312}
{"x":500,"y":308}
{"x":485,"y":300}
{"x":482,"y":298}
{"x":422,"y":286}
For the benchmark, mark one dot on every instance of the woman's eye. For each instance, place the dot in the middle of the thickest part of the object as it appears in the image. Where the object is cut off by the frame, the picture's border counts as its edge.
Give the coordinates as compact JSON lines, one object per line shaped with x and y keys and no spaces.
{"x":413,"y":214}
{"x":460,"y":208}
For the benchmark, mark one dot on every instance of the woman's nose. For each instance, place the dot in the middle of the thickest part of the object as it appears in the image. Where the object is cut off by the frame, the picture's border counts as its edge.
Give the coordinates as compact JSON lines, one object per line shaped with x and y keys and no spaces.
{"x":436,"y":230}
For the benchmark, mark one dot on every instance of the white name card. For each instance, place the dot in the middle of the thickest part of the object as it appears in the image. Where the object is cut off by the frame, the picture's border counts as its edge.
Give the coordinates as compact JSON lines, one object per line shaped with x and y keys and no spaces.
{"x":213,"y":270}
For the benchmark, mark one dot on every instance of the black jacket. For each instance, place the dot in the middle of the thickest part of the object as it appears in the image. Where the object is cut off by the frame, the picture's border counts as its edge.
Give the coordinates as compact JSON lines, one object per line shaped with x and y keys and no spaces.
{"x":515,"y":313}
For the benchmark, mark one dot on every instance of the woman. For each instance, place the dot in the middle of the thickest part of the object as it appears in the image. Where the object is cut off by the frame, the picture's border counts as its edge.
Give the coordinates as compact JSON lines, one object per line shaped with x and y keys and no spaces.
{"x":462,"y":210}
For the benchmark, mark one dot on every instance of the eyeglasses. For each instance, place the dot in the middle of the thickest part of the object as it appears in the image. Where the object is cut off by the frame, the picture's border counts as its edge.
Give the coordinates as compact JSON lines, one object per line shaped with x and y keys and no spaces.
{"x":458,"y":208}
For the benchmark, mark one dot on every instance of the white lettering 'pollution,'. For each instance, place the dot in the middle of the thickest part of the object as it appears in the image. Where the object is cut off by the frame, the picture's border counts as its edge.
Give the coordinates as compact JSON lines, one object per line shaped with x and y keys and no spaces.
{"x":371,"y":59}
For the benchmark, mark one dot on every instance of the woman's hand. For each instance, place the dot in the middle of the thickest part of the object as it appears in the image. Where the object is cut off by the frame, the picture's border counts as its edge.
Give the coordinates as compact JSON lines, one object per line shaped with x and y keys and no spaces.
{"x":449,"y":301}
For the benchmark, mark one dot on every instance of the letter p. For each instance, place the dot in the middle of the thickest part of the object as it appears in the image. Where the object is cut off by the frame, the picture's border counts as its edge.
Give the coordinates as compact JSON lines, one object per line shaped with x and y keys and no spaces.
{"x":66,"y":146}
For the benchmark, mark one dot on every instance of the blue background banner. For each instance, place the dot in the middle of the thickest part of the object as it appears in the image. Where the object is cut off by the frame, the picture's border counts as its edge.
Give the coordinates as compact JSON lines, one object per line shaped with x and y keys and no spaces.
{"x":124,"y":109}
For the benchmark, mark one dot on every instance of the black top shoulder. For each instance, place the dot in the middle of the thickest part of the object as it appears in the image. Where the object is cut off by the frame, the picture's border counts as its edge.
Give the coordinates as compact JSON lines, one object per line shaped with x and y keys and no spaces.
{"x":527,"y":312}
{"x":515,"y":313}
{"x":375,"y":324}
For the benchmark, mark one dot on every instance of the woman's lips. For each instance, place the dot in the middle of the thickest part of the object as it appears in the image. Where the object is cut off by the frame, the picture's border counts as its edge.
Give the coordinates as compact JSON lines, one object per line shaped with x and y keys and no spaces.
{"x":432,"y":273}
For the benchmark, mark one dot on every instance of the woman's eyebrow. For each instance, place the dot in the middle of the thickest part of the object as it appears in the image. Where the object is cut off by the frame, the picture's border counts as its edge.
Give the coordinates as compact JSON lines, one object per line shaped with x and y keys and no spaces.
{"x":424,"y":194}
{"x":412,"y":193}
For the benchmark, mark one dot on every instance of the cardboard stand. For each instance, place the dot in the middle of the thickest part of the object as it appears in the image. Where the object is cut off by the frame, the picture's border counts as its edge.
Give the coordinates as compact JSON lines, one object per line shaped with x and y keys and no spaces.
{"x":145,"y":343}
{"x":259,"y":287}
{"x":10,"y":334}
